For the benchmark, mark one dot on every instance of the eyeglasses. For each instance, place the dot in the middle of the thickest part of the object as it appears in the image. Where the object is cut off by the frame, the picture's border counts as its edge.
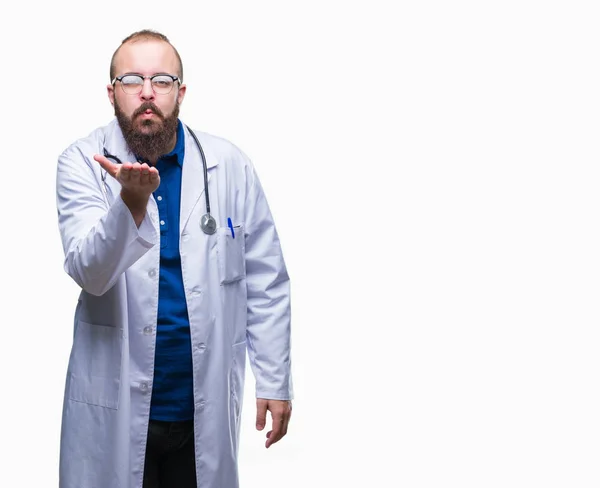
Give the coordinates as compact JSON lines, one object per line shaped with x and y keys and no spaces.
{"x":162,"y":84}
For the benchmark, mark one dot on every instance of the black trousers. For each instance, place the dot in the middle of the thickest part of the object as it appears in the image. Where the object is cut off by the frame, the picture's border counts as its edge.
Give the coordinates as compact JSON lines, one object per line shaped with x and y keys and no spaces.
{"x":170,"y":455}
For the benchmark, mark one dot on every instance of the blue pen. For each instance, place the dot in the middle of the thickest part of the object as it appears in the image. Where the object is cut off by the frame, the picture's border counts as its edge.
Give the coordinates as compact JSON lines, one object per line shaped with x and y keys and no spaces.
{"x":230,"y":226}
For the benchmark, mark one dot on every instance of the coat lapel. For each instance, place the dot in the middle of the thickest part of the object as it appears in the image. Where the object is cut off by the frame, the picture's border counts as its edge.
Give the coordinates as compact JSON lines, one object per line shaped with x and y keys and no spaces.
{"x":192,"y":178}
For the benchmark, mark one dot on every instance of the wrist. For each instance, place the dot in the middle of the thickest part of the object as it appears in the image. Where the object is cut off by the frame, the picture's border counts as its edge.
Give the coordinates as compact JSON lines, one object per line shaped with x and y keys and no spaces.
{"x":134,"y":201}
{"x":137,"y":205}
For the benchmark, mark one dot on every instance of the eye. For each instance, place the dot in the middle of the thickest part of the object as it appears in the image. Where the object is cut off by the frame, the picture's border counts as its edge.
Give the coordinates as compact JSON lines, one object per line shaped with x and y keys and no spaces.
{"x":132,"y":80}
{"x":162,"y":81}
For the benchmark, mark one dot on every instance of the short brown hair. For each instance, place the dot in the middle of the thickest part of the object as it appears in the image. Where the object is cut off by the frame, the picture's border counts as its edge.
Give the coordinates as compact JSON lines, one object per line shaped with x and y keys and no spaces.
{"x":145,"y":35}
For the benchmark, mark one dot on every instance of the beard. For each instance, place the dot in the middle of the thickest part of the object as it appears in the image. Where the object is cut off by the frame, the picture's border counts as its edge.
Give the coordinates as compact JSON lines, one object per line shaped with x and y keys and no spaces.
{"x":148,"y":138}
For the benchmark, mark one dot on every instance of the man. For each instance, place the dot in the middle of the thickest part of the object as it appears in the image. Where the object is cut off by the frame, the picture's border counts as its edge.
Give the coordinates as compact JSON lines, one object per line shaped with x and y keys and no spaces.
{"x":171,"y":299}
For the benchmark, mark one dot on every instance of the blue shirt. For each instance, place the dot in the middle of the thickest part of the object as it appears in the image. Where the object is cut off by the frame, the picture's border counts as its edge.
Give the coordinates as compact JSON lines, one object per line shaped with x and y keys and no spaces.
{"x":172,"y":392}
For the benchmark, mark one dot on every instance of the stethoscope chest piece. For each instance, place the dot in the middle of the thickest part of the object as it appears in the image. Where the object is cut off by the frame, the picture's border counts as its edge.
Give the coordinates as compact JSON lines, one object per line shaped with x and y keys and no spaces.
{"x":208,"y":224}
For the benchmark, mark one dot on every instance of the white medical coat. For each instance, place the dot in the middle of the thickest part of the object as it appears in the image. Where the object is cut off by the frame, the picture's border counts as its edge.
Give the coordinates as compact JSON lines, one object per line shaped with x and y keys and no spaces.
{"x":237,"y":294}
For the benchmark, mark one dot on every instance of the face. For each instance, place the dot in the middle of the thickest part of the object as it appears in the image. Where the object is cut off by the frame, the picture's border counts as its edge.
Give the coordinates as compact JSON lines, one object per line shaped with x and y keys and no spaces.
{"x":148,"y":118}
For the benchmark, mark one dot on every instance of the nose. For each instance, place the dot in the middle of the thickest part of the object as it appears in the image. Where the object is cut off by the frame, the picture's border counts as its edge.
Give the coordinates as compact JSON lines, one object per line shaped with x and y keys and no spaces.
{"x":147,"y":92}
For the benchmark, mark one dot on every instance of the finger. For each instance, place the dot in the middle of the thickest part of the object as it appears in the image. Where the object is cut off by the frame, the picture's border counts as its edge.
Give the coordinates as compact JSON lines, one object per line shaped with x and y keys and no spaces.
{"x":276,"y":433}
{"x":145,"y":174}
{"x":261,"y":414}
{"x":124,"y":172}
{"x":154,"y":178}
{"x":134,"y":175}
{"x":136,"y":170}
{"x":284,"y":425}
{"x":107,"y":165}
{"x":283,"y":416}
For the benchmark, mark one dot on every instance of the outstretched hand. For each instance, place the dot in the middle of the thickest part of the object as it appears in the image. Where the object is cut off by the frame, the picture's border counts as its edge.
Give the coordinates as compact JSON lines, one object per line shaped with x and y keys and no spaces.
{"x":137,"y":179}
{"x":281,"y":412}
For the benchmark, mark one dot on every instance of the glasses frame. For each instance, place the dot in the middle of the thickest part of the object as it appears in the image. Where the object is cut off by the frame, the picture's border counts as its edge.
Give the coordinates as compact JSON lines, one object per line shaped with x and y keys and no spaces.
{"x":144,"y":78}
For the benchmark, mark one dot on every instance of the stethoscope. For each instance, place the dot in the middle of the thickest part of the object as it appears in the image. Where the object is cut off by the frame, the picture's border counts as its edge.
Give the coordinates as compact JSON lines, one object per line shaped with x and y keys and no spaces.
{"x":207,"y":222}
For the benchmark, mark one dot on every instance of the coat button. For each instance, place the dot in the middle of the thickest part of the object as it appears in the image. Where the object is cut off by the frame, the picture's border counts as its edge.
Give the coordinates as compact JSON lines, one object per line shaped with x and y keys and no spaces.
{"x":152,"y":273}
{"x":144,"y":386}
{"x":147,"y":330}
{"x":201,"y":405}
{"x":201,"y":347}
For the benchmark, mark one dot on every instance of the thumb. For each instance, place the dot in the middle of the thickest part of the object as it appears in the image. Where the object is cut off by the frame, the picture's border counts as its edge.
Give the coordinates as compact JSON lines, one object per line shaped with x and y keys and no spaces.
{"x":109,"y":166}
{"x":261,"y":413}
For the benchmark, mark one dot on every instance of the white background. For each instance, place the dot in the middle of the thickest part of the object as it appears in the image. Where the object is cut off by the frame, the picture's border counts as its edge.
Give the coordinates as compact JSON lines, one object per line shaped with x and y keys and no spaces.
{"x":432,"y":168}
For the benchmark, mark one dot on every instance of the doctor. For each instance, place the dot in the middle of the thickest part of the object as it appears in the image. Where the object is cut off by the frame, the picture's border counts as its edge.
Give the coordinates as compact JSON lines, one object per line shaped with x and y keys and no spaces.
{"x":169,"y":302}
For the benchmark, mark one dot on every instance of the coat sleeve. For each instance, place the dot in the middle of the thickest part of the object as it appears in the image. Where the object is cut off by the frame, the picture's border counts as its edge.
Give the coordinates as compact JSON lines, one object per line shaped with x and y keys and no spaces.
{"x":268,"y":329}
{"x":100,"y":241}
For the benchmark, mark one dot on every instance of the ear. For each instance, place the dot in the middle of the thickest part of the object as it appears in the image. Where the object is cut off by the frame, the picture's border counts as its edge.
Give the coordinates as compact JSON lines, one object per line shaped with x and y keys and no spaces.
{"x":181,"y":93}
{"x":110,"y":90}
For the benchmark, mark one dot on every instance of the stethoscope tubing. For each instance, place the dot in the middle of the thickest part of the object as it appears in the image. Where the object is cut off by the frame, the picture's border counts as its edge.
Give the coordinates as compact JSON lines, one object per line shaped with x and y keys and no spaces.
{"x":205,"y":168}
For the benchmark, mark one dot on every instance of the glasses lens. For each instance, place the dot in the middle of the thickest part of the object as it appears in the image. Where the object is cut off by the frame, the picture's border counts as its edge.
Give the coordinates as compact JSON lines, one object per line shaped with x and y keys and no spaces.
{"x":132,"y":83}
{"x":162,"y":84}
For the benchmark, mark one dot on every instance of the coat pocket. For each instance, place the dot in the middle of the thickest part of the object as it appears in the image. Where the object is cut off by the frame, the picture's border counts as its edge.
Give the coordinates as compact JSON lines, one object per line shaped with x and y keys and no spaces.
{"x":95,"y":365}
{"x":230,"y":254}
